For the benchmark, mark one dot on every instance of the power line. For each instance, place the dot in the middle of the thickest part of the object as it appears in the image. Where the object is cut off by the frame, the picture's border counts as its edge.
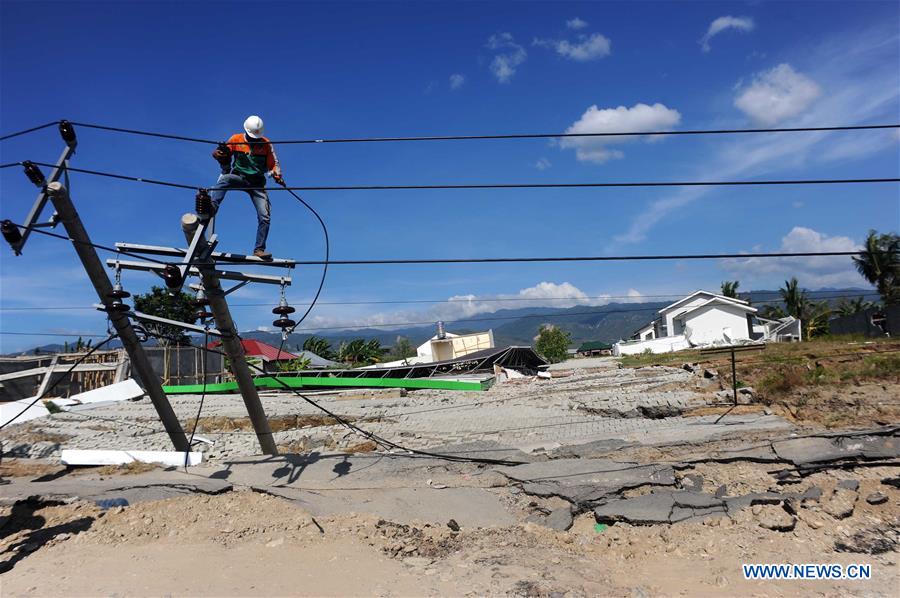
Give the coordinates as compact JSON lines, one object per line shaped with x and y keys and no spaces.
{"x":488,"y":318}
{"x":626,"y":184}
{"x":501,"y":260}
{"x":756,"y":297}
{"x":31,"y":130}
{"x":497,"y":136}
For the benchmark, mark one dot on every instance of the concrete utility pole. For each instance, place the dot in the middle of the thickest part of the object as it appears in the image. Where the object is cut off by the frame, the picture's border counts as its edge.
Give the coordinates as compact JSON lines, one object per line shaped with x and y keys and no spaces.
{"x":69,"y":217}
{"x":190,"y":224}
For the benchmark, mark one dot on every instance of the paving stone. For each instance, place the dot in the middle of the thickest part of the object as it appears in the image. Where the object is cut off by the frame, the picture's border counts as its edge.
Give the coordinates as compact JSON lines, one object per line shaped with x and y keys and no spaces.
{"x":774,"y":517}
{"x":692,"y":481}
{"x":811,"y":494}
{"x":841,"y":503}
{"x":876,"y":498}
{"x":849,"y":484}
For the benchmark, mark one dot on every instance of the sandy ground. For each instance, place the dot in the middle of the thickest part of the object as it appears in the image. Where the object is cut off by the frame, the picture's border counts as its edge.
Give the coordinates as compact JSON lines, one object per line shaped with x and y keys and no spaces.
{"x":248,"y":543}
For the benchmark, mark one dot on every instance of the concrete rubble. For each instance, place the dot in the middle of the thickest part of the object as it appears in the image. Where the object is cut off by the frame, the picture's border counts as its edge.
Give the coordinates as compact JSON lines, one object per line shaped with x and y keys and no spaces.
{"x":570,"y":444}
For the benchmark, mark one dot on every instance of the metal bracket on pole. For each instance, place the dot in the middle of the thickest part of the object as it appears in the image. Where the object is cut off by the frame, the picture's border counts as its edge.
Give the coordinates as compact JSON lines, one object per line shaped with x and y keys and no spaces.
{"x":39,"y":203}
{"x":137,"y":315}
{"x":236,"y":287}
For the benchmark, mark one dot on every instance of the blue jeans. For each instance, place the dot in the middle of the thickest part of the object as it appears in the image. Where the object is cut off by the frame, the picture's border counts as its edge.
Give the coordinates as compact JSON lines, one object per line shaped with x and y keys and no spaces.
{"x":260,"y":199}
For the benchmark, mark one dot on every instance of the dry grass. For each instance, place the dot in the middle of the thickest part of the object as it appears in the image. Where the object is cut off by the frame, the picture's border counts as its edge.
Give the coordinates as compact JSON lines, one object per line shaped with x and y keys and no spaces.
{"x":832,"y":381}
{"x":362,"y":447}
{"x":20,"y":468}
{"x":132,"y":468}
{"x":282,"y":423}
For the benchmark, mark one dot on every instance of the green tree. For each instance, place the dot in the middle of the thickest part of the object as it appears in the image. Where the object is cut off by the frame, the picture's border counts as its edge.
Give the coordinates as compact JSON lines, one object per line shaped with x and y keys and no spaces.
{"x":730,"y":287}
{"x":402,"y":348}
{"x":159,"y":302}
{"x":853,"y":306}
{"x":813,"y":315}
{"x":360,"y":351}
{"x":319,"y":346}
{"x":79,"y":346}
{"x":552,"y":343}
{"x":879,"y":263}
{"x":796,"y":301}
{"x":293,"y":365}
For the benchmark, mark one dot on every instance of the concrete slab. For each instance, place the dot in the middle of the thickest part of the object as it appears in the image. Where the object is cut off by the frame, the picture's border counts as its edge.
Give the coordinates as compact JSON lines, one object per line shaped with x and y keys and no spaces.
{"x":148,"y":486}
{"x":469,"y":507}
{"x":583,"y":481}
{"x":808,"y":451}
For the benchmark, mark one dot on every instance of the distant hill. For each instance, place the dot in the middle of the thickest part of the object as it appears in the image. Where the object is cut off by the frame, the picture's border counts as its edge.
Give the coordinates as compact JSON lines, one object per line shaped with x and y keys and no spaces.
{"x":606,"y":323}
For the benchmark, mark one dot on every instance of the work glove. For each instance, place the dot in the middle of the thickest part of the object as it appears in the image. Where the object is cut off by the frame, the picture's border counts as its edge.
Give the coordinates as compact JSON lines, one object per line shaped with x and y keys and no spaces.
{"x":222,"y":154}
{"x":278,"y":179}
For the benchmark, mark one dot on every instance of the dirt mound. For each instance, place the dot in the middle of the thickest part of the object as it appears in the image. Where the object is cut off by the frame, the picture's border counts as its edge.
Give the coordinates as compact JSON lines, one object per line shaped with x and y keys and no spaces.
{"x":225,"y":519}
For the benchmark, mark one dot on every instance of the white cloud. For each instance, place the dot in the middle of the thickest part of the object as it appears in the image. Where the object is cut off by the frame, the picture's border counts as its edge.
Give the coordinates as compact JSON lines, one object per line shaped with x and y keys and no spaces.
{"x":508,"y":57}
{"x":588,"y":47}
{"x":576,"y":23}
{"x":811,"y":272}
{"x":640,"y":117}
{"x":721,"y":24}
{"x":860,"y":71}
{"x":457,"y":80}
{"x":461,"y":307}
{"x":542,"y":164}
{"x":777,"y":94}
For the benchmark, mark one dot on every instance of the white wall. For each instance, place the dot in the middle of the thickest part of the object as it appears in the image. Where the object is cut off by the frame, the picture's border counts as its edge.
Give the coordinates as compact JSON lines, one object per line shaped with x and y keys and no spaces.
{"x":714,"y":322}
{"x":666,"y":344}
{"x":675,"y":312}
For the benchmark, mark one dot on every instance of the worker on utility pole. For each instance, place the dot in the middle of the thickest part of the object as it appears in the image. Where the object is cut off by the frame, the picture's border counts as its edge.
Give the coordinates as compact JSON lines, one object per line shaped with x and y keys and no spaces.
{"x":246,"y":159}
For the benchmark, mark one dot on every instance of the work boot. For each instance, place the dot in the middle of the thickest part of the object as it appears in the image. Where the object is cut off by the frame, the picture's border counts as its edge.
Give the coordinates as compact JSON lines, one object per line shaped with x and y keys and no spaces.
{"x":262,"y":254}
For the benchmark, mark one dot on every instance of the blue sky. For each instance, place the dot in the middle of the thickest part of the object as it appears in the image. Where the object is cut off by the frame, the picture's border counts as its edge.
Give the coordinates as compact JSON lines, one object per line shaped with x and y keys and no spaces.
{"x":315,"y":70}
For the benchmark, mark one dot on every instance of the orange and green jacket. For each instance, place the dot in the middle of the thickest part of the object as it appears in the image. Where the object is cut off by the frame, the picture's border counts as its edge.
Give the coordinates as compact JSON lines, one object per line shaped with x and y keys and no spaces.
{"x":252,"y":160}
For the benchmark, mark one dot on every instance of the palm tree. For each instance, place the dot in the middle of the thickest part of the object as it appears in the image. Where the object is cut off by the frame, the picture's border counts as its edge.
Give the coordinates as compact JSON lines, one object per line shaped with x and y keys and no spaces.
{"x":360,"y":351}
{"x":796,"y":301}
{"x":319,"y":346}
{"x":879,"y":263}
{"x":853,"y":306}
{"x":730,"y":287}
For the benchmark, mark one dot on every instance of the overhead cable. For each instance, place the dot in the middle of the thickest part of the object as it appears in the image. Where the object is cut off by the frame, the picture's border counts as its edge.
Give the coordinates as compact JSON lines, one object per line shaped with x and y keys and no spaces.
{"x":756,"y":296}
{"x":494,"y":185}
{"x":498,"y":136}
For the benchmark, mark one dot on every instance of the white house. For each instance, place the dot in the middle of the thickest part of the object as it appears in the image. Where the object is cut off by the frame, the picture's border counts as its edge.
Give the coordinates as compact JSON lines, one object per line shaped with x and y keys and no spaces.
{"x":444,"y":346}
{"x":703,"y":318}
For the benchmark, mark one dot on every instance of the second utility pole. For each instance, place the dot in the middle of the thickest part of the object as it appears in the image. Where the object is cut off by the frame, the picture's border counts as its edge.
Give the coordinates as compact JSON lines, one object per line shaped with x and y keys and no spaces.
{"x":190,"y":223}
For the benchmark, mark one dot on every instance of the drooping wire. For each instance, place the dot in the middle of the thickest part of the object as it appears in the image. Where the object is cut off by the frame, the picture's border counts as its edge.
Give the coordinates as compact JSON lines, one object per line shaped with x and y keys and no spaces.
{"x":202,"y":399}
{"x":371,"y":436}
{"x":65,"y":376}
{"x":324,"y":265}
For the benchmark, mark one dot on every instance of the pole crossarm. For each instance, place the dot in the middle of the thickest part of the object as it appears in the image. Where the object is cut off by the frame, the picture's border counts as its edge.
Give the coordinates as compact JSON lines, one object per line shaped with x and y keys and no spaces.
{"x":194,"y":271}
{"x":177,"y":252}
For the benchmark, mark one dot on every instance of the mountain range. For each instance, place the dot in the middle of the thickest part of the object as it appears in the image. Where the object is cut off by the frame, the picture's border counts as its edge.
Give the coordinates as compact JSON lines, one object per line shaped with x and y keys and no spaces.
{"x":606,"y":323}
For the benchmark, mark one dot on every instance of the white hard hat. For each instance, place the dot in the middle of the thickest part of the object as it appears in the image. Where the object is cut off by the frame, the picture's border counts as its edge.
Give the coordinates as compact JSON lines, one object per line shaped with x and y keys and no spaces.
{"x":254,"y":126}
